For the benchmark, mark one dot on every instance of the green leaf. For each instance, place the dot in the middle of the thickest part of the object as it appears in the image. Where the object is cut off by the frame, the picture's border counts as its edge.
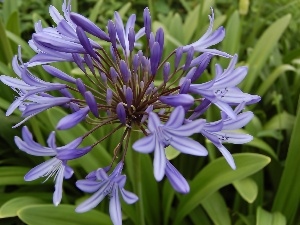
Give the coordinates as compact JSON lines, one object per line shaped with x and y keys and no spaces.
{"x":26,"y":50}
{"x":217,"y":174}
{"x":124,"y":9}
{"x":4,"y":69}
{"x":265,"y":218}
{"x":98,"y":157}
{"x":167,"y":198}
{"x":13,"y":23}
{"x":190,"y":24}
{"x":95,"y":11}
{"x":13,"y":175}
{"x":247,"y":188}
{"x":8,"y":8}
{"x":171,"y":153}
{"x":5,"y":48}
{"x":36,"y":17}
{"x":263,"y":49}
{"x":288,"y":195}
{"x":57,"y":4}
{"x":282,"y":121}
{"x":176,"y":28}
{"x":269,"y":82}
{"x":197,"y":213}
{"x":11,"y":207}
{"x":216,"y":208}
{"x":43,"y":196}
{"x":231,"y":42}
{"x":260,"y":144}
{"x":61,"y":215}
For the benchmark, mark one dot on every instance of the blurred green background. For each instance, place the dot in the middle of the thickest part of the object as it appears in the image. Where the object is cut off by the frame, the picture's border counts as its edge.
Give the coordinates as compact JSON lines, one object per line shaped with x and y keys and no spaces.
{"x":264,"y":190}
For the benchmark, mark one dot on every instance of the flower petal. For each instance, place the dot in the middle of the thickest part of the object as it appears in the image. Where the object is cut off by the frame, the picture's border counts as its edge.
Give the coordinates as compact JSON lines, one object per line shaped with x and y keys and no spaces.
{"x":51,"y":140}
{"x":188,"y":129}
{"x":57,"y":44}
{"x":72,"y":119}
{"x":59,"y":74}
{"x":43,"y":58}
{"x":68,"y":172}
{"x":227,"y":156}
{"x":159,"y":161}
{"x":234,"y":138}
{"x":176,"y":118}
{"x":226,"y":108}
{"x":241,"y":120}
{"x":115,"y":206}
{"x":145,"y":144}
{"x":128,"y":196}
{"x":188,"y":146}
{"x":70,"y":154}
{"x":177,"y":181}
{"x":55,"y":15}
{"x":84,"y":41}
{"x":41,"y":170}
{"x":36,"y":150}
{"x":214,"y":126}
{"x":90,"y":186}
{"x":57,"y":195}
{"x":184,"y":100}
{"x":232,"y":79}
{"x":88,"y":26}
{"x":153,"y":122}
{"x":72,"y":145}
{"x":94,"y":200}
{"x":16,"y":83}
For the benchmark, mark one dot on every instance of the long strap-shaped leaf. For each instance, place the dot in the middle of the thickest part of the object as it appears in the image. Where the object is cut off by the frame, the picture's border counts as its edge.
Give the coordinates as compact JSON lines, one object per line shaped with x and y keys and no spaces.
{"x":215,"y":175}
{"x":288,"y":195}
{"x":262,"y":50}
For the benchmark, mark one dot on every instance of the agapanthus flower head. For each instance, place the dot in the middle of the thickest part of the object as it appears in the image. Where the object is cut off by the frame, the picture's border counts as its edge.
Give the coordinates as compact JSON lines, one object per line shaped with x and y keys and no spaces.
{"x":129,"y":90}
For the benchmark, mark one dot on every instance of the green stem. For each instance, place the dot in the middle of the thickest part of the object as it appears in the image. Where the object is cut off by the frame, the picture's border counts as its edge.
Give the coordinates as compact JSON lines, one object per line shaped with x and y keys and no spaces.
{"x":138,"y":188}
{"x":133,"y":165}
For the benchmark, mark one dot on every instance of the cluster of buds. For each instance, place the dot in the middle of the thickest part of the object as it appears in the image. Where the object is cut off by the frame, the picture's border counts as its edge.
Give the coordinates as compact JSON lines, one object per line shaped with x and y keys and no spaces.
{"x":134,"y":91}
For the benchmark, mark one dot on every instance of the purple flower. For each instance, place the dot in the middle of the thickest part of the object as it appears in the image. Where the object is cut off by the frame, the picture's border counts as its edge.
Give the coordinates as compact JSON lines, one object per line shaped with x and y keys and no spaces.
{"x":222,"y":90}
{"x":222,"y":131}
{"x":210,"y":38}
{"x":123,"y":91}
{"x":176,"y":179}
{"x":99,"y":183}
{"x":56,"y":44}
{"x":56,"y":166}
{"x":173,"y":133}
{"x":31,"y":98}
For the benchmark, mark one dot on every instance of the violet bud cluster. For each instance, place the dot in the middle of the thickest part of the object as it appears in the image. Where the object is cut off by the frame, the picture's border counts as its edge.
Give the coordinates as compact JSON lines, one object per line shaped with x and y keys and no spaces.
{"x":138,"y":92}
